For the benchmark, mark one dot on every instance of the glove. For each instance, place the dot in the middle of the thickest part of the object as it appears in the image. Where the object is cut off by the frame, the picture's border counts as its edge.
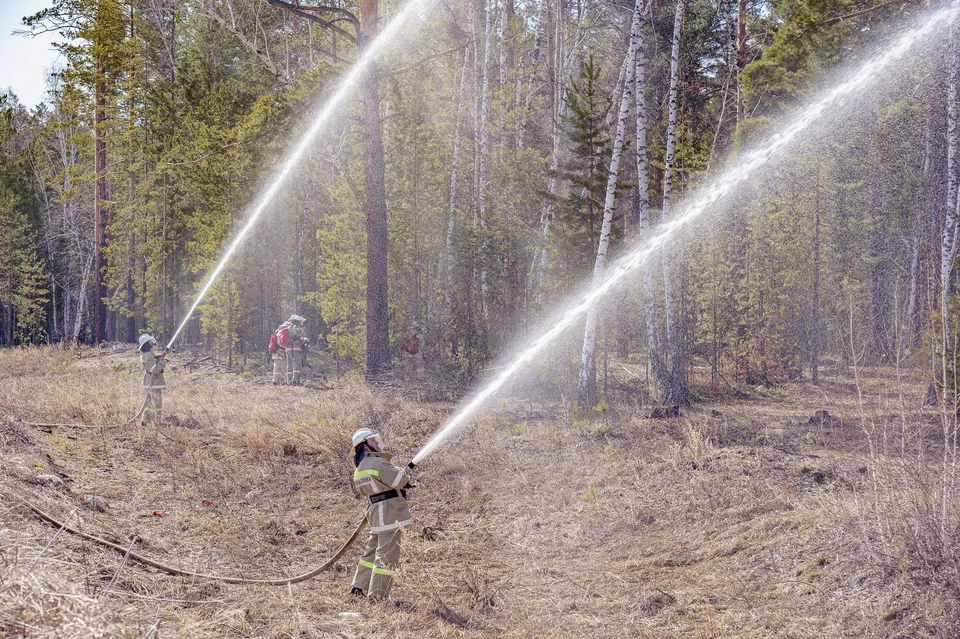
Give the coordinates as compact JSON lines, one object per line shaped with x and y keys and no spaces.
{"x":161,"y":354}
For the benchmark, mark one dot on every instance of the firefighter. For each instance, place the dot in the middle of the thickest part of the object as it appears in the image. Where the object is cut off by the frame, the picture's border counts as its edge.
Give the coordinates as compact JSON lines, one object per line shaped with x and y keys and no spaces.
{"x":294,"y":348}
{"x":412,"y":354}
{"x":383,"y":483}
{"x":153,"y":382}
{"x":279,"y":358}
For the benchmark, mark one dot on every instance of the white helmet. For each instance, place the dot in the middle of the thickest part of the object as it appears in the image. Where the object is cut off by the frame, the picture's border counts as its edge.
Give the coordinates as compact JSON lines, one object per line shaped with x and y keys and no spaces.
{"x":143,"y":339}
{"x":297,"y":318}
{"x":363,"y":435}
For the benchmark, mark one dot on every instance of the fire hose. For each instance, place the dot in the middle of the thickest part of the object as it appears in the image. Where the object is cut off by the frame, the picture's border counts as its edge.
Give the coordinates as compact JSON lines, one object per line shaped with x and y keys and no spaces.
{"x":143,"y":406}
{"x":132,"y":556}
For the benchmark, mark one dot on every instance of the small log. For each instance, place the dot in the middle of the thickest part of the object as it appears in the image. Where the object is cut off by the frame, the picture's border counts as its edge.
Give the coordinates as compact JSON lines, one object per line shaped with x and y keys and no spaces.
{"x":664,"y":412}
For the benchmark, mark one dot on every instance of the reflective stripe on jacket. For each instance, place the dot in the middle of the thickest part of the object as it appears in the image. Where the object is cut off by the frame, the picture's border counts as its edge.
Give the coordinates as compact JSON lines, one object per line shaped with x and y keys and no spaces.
{"x":374,"y":475}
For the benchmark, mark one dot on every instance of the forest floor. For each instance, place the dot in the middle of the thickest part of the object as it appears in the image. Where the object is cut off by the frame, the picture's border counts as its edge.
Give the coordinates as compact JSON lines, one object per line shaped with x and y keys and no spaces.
{"x":740,"y":518}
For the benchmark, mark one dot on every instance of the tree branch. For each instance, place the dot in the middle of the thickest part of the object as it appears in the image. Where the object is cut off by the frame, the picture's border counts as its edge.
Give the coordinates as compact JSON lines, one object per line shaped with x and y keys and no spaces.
{"x":416,"y":64}
{"x":263,"y":56}
{"x":857,"y":14}
{"x":324,"y":23}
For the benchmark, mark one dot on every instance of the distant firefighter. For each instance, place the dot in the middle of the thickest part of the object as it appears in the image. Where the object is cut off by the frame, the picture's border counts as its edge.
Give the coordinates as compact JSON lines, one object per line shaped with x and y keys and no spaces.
{"x":383,"y":483}
{"x":412,"y":353}
{"x":279,"y":358}
{"x":153,"y":382}
{"x":290,"y":337}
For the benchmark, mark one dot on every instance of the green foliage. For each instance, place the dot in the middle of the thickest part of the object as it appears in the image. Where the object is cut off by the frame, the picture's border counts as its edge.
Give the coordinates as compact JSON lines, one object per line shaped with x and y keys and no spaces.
{"x":580,"y":212}
{"x":23,"y":280}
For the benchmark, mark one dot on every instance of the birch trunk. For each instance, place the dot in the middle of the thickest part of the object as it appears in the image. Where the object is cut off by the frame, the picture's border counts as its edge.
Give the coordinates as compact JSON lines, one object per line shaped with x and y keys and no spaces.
{"x":741,"y":55}
{"x":482,"y":177}
{"x":557,"y":113}
{"x":815,"y":319}
{"x":535,"y":57}
{"x":878,"y":271}
{"x":909,"y":325}
{"x":447,"y":263}
{"x":949,"y":238}
{"x":948,"y":247}
{"x":587,"y":385}
{"x":298,"y":286}
{"x":657,"y":363}
{"x":677,"y":392}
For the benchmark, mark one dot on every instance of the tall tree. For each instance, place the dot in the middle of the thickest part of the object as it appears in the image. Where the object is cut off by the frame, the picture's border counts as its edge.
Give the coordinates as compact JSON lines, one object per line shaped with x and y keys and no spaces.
{"x":587,"y":385}
{"x":678,"y":392}
{"x":375,"y":195}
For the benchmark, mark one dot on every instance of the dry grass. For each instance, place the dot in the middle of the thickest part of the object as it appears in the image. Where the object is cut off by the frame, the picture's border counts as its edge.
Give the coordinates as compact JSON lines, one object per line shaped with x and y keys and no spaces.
{"x":736,"y":520}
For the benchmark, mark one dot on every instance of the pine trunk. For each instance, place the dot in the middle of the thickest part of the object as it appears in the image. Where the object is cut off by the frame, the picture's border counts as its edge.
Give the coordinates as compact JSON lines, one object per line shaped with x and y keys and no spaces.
{"x":375,"y":203}
{"x":99,"y":198}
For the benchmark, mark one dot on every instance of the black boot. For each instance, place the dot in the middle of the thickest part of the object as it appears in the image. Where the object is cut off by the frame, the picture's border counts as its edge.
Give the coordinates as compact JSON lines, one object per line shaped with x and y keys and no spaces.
{"x":357,"y":592}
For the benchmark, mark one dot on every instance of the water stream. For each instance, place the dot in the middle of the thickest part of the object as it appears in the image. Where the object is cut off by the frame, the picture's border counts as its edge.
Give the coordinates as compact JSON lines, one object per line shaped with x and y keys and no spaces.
{"x":393,"y":29}
{"x":707,"y":196}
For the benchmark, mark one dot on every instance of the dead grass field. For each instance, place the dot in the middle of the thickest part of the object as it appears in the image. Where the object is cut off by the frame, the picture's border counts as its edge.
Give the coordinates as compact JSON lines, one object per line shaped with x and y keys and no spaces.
{"x":739,"y":519}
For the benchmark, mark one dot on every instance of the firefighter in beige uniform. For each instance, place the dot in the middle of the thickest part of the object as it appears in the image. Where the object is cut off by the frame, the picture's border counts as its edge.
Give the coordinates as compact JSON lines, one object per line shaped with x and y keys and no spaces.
{"x":294,"y":348}
{"x":153,"y":382}
{"x":383,"y":483}
{"x":279,"y":357}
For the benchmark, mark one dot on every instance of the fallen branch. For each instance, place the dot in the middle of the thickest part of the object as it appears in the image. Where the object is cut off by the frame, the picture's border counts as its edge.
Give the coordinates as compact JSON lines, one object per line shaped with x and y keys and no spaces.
{"x":183,"y":573}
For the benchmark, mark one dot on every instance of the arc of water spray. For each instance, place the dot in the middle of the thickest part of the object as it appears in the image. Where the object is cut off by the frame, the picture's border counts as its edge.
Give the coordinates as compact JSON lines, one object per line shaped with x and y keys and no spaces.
{"x":710,"y":194}
{"x":376,"y":45}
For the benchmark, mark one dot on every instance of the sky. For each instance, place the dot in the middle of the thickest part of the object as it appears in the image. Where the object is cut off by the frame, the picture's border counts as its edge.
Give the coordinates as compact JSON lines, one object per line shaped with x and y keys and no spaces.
{"x":25,"y":61}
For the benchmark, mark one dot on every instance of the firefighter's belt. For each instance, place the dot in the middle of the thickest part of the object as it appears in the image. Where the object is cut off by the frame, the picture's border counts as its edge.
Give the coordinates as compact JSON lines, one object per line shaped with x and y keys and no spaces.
{"x":387,"y":494}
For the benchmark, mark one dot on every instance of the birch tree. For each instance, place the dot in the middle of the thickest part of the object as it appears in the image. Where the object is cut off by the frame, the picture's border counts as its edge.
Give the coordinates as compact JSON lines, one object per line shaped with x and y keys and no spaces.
{"x":587,"y":384}
{"x":657,"y":363}
{"x":948,"y":242}
{"x":677,"y":392}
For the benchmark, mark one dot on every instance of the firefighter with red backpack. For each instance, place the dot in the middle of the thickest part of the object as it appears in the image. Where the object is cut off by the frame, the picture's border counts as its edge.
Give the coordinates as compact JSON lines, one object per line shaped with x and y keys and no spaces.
{"x":279,"y":358}
{"x":290,"y":337}
{"x":413,"y":357}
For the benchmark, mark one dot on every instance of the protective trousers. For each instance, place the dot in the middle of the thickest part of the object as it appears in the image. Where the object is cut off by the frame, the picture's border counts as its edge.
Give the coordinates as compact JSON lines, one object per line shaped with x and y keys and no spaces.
{"x":151,"y":411}
{"x":279,"y":368}
{"x":294,"y":363}
{"x":378,"y":564}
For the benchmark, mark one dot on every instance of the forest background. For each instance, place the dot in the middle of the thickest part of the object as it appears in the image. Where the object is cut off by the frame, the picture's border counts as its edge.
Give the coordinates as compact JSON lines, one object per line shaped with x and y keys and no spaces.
{"x":498,"y":125}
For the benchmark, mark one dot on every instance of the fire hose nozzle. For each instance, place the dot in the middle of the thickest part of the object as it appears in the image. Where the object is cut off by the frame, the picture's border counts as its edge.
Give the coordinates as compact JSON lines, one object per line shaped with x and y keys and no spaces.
{"x":411,"y":465}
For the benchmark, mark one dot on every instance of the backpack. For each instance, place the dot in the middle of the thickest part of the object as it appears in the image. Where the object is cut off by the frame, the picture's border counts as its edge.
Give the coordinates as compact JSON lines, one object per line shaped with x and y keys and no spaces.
{"x":283,"y":335}
{"x":272,"y":346}
{"x":412,"y":344}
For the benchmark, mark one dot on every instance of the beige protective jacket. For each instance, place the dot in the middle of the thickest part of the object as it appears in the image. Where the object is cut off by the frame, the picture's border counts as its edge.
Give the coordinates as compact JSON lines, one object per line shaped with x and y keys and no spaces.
{"x":153,"y":377}
{"x":375,"y":475}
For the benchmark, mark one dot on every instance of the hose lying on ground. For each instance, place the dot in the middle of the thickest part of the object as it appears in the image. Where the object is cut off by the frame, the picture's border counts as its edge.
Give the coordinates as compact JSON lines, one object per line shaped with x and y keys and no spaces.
{"x":183,"y":573}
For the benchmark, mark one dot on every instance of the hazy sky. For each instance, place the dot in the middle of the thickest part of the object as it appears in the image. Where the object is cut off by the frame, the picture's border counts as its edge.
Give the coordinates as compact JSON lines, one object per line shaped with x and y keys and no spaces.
{"x":25,"y":61}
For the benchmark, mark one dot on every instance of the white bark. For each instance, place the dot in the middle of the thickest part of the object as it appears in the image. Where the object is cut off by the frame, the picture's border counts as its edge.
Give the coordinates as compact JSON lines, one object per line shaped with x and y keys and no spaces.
{"x":485,"y":113}
{"x":587,"y":386}
{"x":643,"y":198}
{"x":949,"y":239}
{"x":952,"y":122}
{"x":535,"y":57}
{"x":482,"y":177}
{"x":448,"y":297}
{"x":677,"y":393}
